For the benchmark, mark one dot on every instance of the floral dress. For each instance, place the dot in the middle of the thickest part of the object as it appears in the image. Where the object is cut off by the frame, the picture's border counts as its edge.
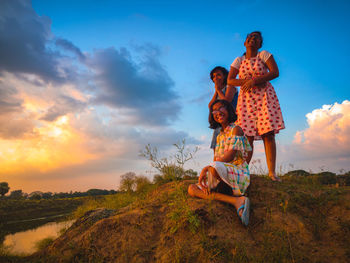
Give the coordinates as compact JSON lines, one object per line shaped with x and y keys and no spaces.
{"x":235,"y":173}
{"x":258,"y":110}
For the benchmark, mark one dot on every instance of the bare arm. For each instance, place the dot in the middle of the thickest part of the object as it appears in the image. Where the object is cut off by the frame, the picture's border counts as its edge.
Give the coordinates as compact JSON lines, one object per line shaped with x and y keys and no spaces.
{"x":230,"y":155}
{"x":213,"y":99}
{"x":231,"y":79}
{"x":272,"y":74}
{"x":203,"y":177}
{"x":229,"y":94}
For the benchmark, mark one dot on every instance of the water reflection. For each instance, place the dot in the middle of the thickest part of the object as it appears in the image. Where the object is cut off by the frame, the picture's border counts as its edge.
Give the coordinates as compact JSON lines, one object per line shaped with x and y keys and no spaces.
{"x":24,"y":242}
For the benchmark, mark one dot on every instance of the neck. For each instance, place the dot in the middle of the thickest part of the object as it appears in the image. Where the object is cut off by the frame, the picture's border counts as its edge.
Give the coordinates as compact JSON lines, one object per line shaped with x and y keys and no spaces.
{"x":251,"y":52}
{"x":224,"y":125}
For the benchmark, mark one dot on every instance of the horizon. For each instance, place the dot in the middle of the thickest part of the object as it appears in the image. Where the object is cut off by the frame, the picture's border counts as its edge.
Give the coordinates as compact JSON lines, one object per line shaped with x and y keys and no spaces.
{"x":86,"y":86}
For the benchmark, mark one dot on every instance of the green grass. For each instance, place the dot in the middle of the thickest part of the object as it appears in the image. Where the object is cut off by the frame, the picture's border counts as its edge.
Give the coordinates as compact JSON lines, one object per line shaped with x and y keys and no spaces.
{"x":43,"y":243}
{"x":180,"y":214}
{"x":114,"y":202}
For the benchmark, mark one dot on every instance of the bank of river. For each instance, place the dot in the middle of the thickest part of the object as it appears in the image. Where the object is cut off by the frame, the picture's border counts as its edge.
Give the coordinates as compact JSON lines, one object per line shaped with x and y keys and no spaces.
{"x":25,"y":241}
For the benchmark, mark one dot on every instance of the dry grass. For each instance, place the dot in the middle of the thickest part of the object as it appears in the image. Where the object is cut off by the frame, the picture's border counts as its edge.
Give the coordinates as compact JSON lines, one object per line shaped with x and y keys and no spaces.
{"x":292,"y":221}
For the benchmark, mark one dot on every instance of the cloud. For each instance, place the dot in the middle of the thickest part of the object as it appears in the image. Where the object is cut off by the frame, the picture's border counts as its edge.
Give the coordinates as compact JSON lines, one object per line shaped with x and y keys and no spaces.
{"x":24,"y":38}
{"x":325,"y":143}
{"x":63,"y":105}
{"x":328,"y":134}
{"x":144,"y":89}
{"x":69,"y":46}
{"x":70,"y":115}
{"x":8,"y":103}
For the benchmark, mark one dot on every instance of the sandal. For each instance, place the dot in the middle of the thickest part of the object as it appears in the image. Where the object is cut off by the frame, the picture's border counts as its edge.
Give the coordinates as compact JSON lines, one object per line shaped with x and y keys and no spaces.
{"x":245,"y":215}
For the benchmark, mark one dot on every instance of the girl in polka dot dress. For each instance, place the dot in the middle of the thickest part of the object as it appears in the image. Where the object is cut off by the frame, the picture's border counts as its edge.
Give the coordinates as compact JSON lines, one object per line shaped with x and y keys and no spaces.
{"x":258,"y":110}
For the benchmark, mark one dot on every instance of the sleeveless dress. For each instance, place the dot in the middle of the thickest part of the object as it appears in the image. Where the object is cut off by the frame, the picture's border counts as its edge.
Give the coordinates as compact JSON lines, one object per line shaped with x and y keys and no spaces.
{"x":258,"y":111}
{"x":235,"y":173}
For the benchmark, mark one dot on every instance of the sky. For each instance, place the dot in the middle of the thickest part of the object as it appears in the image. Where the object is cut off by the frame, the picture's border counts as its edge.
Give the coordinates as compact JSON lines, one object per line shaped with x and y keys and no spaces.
{"x":86,"y":85}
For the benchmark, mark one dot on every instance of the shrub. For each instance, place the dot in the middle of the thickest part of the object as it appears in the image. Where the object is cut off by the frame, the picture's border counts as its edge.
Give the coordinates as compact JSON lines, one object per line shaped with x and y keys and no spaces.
{"x":327,"y":178}
{"x":44,"y":243}
{"x":171,"y":168}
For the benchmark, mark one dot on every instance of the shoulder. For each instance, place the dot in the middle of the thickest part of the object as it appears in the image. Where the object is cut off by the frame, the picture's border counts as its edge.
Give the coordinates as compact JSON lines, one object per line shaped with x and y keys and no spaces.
{"x":237,"y":62}
{"x":264,"y":55}
{"x":236,"y":130}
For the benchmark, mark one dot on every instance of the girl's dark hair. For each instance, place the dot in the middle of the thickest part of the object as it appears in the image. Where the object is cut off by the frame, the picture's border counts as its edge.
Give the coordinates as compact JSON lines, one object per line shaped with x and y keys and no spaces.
{"x":232,"y":117}
{"x":223,"y":70}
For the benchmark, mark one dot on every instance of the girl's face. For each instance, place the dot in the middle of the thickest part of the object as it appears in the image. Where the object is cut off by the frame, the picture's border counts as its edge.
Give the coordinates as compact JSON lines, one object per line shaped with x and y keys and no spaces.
{"x":218,"y":77}
{"x":253,"y":40}
{"x":220,"y":113}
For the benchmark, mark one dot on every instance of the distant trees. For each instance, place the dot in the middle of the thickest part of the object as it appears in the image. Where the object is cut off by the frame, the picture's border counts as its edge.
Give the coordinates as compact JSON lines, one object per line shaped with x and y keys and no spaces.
{"x":99,"y":192}
{"x":16,"y":194}
{"x":141,"y":183}
{"x":127,"y":182}
{"x":4,"y":188}
{"x":38,"y":195}
{"x":130,"y":182}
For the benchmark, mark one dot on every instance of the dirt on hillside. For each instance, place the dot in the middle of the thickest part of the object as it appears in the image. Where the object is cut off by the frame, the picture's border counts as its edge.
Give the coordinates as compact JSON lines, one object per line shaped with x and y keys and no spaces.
{"x":298,"y":220}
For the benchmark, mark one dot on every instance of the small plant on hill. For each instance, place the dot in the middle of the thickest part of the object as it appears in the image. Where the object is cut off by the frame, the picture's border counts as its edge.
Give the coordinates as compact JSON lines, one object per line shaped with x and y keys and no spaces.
{"x":180,"y":214}
{"x":171,"y":168}
{"x":43,"y":243}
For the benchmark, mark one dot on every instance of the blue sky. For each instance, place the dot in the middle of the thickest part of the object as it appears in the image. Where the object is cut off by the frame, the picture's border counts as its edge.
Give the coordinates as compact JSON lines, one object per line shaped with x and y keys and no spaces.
{"x":195,"y":36}
{"x":138,"y":73}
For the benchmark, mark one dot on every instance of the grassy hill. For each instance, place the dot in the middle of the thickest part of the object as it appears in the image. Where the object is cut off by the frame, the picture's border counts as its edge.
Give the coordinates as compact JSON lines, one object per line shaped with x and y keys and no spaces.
{"x":306,"y":218}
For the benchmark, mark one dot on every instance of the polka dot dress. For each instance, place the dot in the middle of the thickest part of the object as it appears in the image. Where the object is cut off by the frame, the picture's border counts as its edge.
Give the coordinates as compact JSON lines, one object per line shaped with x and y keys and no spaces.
{"x":258,"y":111}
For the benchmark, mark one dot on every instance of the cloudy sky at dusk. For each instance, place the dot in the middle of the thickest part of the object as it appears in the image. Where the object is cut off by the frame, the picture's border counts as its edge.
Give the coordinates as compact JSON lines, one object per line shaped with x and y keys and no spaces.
{"x":85,"y":85}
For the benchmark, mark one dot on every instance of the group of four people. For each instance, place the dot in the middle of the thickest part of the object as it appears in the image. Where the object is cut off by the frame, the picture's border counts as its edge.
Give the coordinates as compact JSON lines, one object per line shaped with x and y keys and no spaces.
{"x":237,"y":121}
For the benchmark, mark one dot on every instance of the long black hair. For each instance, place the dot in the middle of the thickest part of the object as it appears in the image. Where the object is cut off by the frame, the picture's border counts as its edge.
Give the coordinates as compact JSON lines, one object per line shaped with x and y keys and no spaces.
{"x":232,"y":117}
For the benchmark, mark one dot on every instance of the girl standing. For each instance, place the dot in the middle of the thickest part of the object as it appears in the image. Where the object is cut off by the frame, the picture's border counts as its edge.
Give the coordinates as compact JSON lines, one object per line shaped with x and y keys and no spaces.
{"x":258,"y":110}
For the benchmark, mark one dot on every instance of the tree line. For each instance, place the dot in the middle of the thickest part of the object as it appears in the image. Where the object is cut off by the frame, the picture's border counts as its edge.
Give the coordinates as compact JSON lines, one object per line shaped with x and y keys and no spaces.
{"x":37,"y":195}
{"x":169,"y":168}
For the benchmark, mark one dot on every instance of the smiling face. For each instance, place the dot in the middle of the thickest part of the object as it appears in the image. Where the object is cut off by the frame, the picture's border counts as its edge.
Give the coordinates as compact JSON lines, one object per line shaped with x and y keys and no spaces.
{"x":253,"y":40}
{"x":218,"y":77}
{"x":220,"y":114}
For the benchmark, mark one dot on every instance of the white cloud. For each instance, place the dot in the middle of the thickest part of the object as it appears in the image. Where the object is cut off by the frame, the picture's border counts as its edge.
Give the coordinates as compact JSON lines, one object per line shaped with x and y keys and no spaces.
{"x":325,"y":144}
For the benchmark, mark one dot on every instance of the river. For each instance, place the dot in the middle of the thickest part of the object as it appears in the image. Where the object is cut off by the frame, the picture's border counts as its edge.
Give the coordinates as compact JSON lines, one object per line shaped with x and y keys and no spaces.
{"x":24,"y":242}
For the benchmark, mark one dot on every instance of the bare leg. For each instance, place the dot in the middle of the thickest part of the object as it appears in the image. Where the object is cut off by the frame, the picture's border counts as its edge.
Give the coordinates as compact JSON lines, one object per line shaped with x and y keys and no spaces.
{"x":270,"y":152}
{"x":250,"y":154}
{"x":237,"y":202}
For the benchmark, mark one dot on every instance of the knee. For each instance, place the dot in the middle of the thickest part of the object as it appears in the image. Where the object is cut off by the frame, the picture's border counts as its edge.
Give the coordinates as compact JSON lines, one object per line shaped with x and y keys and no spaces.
{"x":191,"y":190}
{"x":213,"y":172}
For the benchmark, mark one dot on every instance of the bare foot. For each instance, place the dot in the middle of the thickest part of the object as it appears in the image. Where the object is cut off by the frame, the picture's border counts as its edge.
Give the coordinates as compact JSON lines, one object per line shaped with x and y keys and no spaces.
{"x":274,"y":177}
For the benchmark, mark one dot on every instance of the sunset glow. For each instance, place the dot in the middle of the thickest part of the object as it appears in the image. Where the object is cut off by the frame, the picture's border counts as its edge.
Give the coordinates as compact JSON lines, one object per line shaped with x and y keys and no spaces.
{"x":85,"y":86}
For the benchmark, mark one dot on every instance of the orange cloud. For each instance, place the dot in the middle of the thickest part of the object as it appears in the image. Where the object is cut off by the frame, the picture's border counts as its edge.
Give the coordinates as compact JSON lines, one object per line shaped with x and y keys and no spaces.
{"x":324,"y":144}
{"x":57,"y":144}
{"x":328,"y":133}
